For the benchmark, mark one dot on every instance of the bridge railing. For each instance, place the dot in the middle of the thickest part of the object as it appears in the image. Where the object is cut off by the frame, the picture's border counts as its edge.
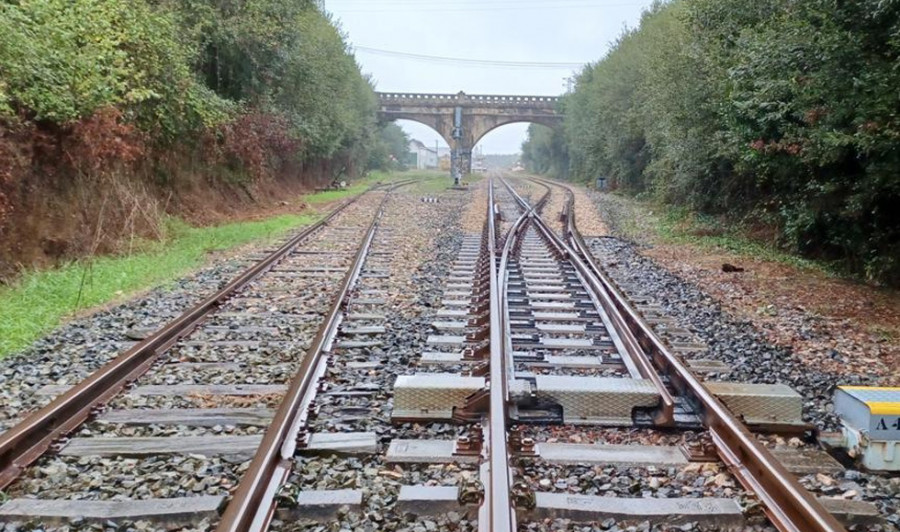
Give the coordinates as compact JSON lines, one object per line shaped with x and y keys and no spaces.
{"x":468,"y":99}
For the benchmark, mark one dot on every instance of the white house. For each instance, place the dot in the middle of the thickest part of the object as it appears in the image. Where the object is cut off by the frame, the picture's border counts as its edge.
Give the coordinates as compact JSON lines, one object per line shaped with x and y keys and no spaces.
{"x":421,"y":156}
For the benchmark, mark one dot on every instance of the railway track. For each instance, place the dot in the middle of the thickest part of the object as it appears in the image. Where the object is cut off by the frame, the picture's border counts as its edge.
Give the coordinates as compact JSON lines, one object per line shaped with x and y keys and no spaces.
{"x":528,"y":394}
{"x":219,"y":371}
{"x":675,"y":397}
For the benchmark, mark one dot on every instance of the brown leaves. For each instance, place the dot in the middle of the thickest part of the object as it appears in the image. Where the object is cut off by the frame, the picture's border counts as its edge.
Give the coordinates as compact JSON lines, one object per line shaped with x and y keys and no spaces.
{"x":255,"y":142}
{"x":101,"y":143}
{"x":834,"y":325}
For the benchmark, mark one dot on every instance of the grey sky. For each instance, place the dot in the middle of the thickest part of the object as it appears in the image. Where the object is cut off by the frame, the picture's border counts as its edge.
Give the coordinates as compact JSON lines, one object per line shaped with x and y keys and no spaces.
{"x":546,"y":31}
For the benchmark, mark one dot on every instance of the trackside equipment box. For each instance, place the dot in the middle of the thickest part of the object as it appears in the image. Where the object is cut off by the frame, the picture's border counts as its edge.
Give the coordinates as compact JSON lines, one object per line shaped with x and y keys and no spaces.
{"x":871,"y":419}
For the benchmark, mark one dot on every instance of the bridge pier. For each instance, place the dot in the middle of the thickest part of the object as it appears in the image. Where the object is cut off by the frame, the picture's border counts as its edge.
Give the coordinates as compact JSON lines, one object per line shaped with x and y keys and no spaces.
{"x":460,"y":162}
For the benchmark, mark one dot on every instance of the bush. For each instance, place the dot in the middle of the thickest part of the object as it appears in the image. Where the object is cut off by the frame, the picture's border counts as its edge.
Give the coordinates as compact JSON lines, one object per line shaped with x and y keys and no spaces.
{"x":62,"y":61}
{"x":780,"y":111}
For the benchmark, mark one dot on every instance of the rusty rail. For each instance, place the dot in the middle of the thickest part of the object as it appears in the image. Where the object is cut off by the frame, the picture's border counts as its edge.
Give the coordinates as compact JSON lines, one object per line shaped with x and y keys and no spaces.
{"x":32,"y":437}
{"x":789,"y":506}
{"x":496,"y":512}
{"x":252,"y":506}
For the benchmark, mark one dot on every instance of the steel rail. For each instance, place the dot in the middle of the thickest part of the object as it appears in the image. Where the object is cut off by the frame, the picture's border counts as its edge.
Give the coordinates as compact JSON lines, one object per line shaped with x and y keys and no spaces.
{"x":626,"y":342}
{"x":497,"y":513}
{"x":27,"y":441}
{"x":253,"y":504}
{"x":789,"y":506}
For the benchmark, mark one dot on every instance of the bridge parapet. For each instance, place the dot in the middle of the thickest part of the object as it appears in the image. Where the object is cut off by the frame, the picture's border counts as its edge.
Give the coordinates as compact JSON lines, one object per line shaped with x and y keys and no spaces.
{"x":392,"y":98}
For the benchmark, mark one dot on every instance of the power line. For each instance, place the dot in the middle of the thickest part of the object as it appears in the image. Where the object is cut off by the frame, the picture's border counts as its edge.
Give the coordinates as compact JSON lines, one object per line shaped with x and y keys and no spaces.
{"x":348,"y":6}
{"x":489,"y":63}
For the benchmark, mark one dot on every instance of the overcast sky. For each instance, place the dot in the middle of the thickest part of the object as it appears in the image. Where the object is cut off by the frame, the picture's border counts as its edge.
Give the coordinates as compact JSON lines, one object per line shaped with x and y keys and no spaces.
{"x":534,"y":31}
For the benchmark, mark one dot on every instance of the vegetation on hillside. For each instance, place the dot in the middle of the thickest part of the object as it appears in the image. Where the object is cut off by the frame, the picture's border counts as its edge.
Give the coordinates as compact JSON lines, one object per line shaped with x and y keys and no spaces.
{"x":255,"y":84}
{"x":108,"y":109}
{"x":778,"y":115}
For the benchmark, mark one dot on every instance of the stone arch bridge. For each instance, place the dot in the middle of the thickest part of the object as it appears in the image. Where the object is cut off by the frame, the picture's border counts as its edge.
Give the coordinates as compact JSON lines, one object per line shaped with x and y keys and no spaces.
{"x":463,"y":119}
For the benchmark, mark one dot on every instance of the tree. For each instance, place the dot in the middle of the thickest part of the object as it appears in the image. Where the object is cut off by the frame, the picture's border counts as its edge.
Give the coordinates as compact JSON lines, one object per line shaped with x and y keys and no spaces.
{"x":781,"y":113}
{"x":391,"y":148}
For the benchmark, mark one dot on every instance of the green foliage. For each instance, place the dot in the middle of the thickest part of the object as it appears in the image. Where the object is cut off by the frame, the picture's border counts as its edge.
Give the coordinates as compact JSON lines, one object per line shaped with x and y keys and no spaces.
{"x":5,"y":109}
{"x":61,"y":61}
{"x":782,"y":113}
{"x":242,"y":43}
{"x":39,"y":301}
{"x":190,"y":70}
{"x":356,"y":187}
{"x":329,"y":103}
{"x":545,"y":151}
{"x":390,"y":150}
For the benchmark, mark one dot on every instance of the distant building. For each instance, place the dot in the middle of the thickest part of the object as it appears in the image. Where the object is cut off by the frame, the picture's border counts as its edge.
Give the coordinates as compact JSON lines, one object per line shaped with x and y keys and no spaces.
{"x":422,"y":157}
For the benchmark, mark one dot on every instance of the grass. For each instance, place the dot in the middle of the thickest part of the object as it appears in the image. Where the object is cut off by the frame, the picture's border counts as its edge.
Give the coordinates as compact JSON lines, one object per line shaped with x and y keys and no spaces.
{"x":40,"y":300}
{"x":428,"y":182}
{"x":680,"y":226}
{"x":358,"y":186}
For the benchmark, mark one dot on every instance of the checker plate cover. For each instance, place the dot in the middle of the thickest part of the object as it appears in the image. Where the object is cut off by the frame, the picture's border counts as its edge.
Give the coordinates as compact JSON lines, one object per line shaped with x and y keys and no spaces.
{"x":597,"y":400}
{"x":432,"y":395}
{"x":760,"y":403}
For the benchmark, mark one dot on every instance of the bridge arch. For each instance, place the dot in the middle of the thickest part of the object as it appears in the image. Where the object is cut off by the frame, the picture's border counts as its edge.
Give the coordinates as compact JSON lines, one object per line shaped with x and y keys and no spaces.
{"x":433,"y":123}
{"x":488,"y":126}
{"x":462,"y":120}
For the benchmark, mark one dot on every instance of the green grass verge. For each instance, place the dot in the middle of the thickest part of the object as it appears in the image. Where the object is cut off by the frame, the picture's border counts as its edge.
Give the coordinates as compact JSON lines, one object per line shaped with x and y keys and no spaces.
{"x":356,"y":186}
{"x":40,"y":300}
{"x":428,"y":181}
{"x":680,"y":226}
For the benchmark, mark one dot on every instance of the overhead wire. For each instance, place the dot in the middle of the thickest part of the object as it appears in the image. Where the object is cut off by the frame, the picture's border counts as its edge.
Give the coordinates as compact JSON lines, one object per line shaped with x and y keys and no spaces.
{"x":489,"y":63}
{"x":396,"y":6}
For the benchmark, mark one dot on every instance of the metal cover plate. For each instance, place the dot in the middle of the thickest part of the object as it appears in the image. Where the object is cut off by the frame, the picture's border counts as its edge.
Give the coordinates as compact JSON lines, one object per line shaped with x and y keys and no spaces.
{"x":449,"y":325}
{"x":715,"y":513}
{"x":432,"y":395}
{"x":597,"y":400}
{"x":611,"y":455}
{"x":760,"y":403}
{"x":437,"y":357}
{"x":559,"y":328}
{"x":574,"y":361}
{"x":565,"y":343}
{"x":426,"y":451}
{"x":445,"y":340}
